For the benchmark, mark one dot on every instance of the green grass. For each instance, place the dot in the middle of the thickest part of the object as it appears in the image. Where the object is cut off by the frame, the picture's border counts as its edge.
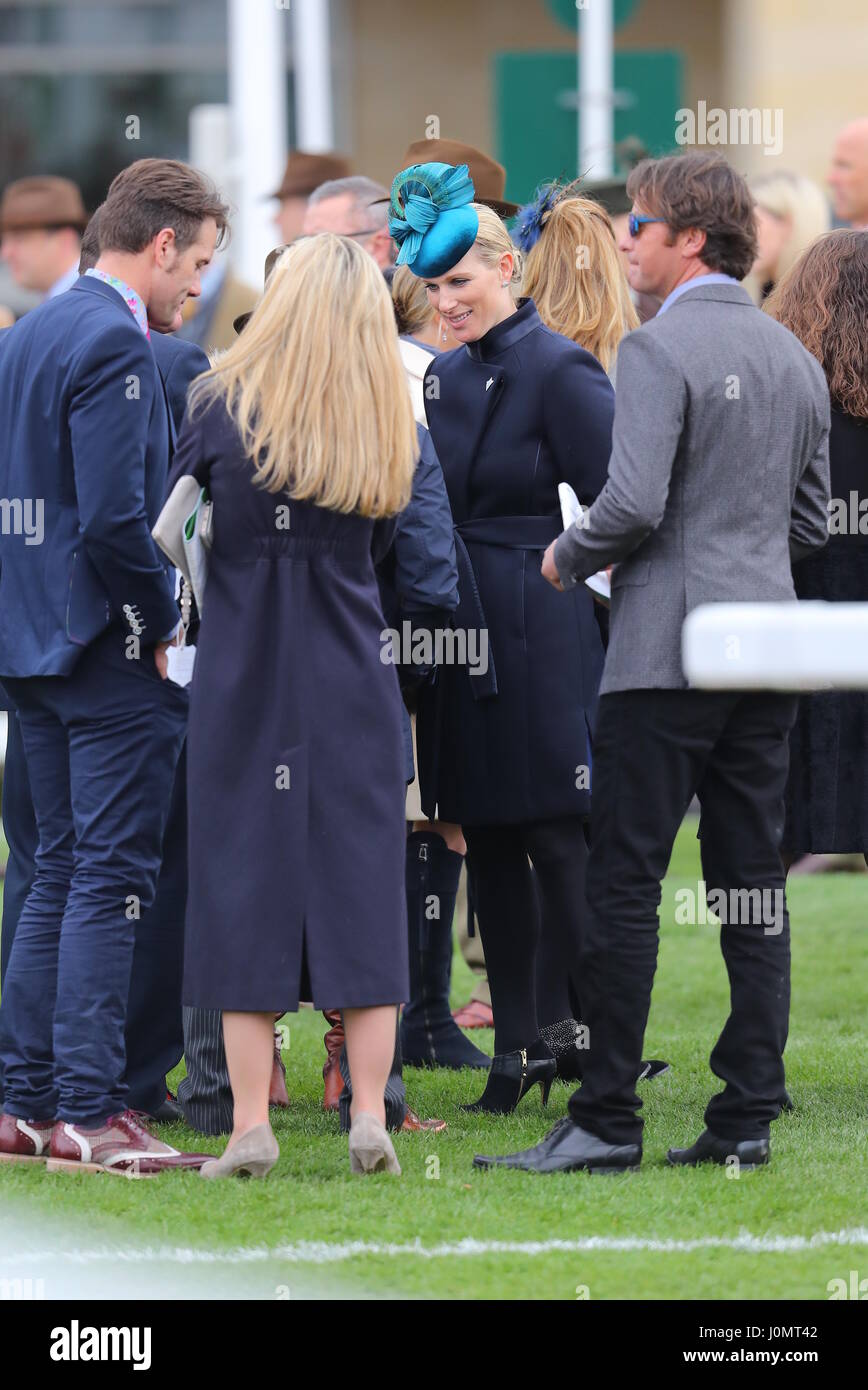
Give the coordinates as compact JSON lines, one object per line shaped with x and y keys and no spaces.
{"x":816,"y":1182}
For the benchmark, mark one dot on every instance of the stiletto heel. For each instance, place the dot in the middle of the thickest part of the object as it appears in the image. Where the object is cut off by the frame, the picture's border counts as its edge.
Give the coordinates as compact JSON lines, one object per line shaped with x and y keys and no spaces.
{"x":371,"y":1148}
{"x":253,"y":1156}
{"x":511,"y":1077}
{"x":545,"y":1086}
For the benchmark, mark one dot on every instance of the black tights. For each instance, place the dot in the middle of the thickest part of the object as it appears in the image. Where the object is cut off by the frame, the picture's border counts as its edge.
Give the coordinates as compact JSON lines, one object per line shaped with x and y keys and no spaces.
{"x":530,"y":930}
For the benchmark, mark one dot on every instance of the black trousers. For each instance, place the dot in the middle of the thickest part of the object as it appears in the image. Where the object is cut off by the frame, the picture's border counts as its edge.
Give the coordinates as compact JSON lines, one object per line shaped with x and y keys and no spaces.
{"x":653,"y":750}
{"x":515,"y":908}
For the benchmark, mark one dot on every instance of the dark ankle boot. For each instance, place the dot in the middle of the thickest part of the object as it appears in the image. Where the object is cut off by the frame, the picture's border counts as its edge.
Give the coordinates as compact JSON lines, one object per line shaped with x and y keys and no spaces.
{"x":430,"y":1037}
{"x":512,"y":1075}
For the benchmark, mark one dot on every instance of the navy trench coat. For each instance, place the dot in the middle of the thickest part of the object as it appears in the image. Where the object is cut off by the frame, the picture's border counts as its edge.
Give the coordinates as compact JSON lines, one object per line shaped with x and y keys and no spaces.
{"x":512,"y":416}
{"x":295,"y":769}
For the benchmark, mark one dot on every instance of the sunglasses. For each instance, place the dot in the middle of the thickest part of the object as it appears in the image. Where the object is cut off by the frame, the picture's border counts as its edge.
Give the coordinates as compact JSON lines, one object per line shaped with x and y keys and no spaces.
{"x":636,"y":223}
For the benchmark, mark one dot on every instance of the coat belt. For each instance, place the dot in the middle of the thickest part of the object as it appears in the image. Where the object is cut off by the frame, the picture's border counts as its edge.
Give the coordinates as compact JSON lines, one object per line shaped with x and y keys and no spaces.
{"x":511,"y":533}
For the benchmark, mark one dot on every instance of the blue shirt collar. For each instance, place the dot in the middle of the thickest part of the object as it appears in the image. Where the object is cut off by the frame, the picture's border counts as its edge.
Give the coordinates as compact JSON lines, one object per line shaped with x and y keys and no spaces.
{"x":716,"y":277}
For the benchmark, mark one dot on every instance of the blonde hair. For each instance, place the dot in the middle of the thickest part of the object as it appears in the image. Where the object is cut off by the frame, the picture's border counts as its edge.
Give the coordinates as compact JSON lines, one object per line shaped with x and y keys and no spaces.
{"x":797,"y":200}
{"x":316,"y":386}
{"x":493,"y":240}
{"x":575,"y":277}
{"x":410,"y":300}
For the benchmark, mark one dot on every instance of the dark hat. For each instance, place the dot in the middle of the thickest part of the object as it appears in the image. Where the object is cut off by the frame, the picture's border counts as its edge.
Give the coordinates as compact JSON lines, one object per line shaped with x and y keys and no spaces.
{"x":305,"y":172}
{"x":489,"y":177}
{"x":270,"y":261}
{"x":44,"y":201}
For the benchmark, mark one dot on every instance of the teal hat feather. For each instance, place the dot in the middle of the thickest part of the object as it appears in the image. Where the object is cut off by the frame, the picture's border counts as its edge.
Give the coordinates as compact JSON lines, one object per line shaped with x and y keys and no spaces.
{"x":430,"y":217}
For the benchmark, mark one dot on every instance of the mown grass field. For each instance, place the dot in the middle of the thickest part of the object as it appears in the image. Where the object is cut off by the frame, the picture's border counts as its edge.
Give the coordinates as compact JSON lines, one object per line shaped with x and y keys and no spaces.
{"x":310,"y":1209}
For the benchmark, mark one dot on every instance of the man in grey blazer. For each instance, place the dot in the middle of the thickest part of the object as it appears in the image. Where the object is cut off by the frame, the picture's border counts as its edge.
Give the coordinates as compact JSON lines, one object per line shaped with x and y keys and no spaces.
{"x":718,"y":478}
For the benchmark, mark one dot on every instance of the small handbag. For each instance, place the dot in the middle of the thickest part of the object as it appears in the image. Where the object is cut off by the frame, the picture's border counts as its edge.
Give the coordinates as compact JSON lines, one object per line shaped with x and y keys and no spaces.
{"x":184,"y":531}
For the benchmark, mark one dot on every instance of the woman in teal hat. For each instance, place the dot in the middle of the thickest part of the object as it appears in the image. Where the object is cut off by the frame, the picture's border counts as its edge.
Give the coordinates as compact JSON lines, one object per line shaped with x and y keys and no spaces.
{"x":504,"y":738}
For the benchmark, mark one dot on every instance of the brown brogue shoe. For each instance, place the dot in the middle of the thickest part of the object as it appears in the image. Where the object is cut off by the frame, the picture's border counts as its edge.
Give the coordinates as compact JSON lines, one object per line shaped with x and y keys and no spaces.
{"x":122,"y":1146}
{"x":412,"y":1124}
{"x":24,"y":1141}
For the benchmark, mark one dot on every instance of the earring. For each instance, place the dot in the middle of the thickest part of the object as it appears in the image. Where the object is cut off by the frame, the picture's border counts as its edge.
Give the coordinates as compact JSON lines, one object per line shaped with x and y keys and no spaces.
{"x":442,"y":331}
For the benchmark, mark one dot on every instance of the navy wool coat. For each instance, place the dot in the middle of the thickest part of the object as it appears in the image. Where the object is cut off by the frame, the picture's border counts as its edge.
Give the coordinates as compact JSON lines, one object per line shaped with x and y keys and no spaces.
{"x":418,"y":579}
{"x":512,"y":416}
{"x":295,"y":771}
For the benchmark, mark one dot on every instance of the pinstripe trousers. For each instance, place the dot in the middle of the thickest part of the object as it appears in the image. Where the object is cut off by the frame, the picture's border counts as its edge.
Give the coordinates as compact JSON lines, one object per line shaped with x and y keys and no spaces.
{"x":205,"y":1094}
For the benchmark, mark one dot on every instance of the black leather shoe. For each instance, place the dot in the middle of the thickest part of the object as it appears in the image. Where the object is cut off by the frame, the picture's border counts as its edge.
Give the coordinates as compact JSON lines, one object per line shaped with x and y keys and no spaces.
{"x":710,"y":1149}
{"x":651,"y":1070}
{"x":567,"y":1148}
{"x":168,"y":1112}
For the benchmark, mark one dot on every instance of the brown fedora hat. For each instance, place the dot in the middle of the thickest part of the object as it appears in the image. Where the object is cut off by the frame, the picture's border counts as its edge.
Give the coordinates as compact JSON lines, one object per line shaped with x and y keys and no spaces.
{"x":305,"y":172}
{"x":41,"y":202}
{"x":489,"y":177}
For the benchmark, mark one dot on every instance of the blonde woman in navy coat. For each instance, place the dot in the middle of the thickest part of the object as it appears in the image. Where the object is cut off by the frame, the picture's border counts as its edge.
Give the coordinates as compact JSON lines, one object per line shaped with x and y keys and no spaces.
{"x":304,"y":435}
{"x":506,"y":752}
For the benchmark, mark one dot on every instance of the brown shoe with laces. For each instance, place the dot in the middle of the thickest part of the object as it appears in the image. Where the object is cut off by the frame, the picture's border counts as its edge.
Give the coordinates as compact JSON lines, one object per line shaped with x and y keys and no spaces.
{"x":122,"y":1146}
{"x":24,"y":1141}
{"x":412,"y":1124}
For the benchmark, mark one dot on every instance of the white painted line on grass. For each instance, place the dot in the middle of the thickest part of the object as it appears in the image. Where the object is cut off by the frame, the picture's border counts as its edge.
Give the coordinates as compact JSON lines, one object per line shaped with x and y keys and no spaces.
{"x":322,"y":1253}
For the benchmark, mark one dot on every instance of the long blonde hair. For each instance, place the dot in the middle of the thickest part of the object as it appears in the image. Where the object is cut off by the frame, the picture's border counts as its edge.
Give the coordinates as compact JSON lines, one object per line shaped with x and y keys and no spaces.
{"x":794,"y":199}
{"x":316,"y":385}
{"x":575,"y":277}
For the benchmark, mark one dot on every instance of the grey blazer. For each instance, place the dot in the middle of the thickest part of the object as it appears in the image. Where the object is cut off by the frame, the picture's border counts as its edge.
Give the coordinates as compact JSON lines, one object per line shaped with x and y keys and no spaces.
{"x":719,"y":476}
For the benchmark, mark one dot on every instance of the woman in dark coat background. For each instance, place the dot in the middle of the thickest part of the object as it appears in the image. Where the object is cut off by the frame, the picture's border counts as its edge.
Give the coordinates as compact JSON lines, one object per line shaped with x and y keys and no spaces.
{"x":304,"y":436}
{"x":506,"y":751}
{"x":824,"y":300}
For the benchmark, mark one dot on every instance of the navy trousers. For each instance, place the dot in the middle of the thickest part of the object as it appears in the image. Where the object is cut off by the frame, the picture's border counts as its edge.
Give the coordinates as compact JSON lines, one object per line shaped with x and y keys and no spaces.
{"x":154,"y":1031}
{"x":102,"y":747}
{"x":22,"y":837}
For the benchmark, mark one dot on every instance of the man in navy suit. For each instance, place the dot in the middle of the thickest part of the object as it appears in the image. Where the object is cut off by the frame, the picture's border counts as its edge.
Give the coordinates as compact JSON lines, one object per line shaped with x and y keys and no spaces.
{"x":154,"y":1032}
{"x":87,"y":612}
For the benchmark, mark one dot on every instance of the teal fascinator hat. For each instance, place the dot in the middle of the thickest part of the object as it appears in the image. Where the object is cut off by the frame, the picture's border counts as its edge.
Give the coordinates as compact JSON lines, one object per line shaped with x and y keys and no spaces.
{"x":430,"y":217}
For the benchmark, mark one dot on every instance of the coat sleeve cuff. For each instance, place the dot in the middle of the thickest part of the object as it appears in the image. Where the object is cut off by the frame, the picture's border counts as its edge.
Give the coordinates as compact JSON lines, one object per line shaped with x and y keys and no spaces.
{"x":565,"y":561}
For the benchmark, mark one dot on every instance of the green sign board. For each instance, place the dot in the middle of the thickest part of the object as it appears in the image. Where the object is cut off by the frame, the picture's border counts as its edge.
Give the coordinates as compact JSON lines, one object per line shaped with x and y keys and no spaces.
{"x":567,"y":11}
{"x":536,"y":115}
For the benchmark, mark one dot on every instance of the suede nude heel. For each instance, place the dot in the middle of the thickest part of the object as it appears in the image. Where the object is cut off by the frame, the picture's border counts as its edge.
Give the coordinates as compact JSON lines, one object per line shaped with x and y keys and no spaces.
{"x":370,"y":1146}
{"x":253,"y":1156}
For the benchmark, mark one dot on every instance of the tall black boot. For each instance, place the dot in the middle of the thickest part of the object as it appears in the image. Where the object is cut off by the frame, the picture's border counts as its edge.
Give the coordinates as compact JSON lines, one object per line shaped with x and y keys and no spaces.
{"x":430,"y":1037}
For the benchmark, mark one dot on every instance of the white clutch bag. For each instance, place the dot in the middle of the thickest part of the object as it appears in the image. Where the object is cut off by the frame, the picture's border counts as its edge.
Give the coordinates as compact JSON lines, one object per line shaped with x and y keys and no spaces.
{"x":184,"y":532}
{"x":571,"y":512}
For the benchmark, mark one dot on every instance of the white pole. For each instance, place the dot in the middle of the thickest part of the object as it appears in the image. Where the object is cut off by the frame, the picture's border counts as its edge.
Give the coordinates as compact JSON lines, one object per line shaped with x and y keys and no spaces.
{"x":596,"y":136}
{"x":257,"y":96}
{"x":311,"y":54}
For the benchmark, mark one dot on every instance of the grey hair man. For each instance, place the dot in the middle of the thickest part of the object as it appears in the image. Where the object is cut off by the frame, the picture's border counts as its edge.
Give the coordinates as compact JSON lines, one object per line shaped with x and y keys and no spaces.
{"x":356,"y":207}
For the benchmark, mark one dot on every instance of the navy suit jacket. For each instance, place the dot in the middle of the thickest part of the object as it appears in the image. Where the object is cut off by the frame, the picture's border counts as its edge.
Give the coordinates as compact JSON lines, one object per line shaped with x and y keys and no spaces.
{"x":179,"y":363}
{"x":85,"y":442}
